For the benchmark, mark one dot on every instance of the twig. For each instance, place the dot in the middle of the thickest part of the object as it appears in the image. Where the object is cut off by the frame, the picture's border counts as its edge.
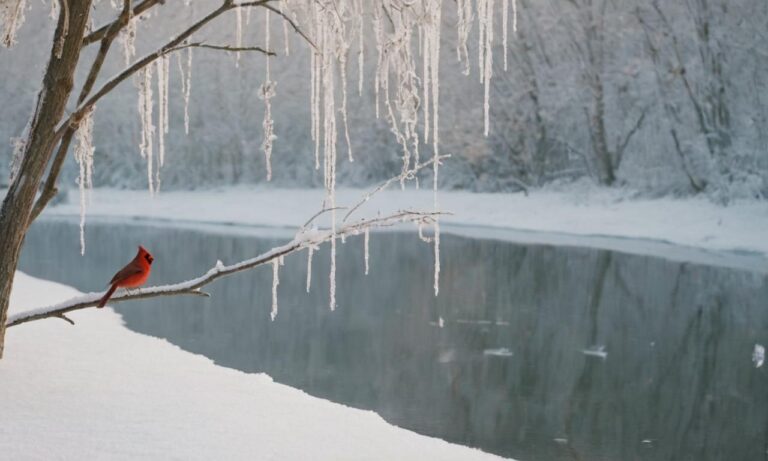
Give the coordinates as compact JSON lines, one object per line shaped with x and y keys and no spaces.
{"x":319,"y":213}
{"x":66,"y":319}
{"x":408,"y":174}
{"x":292,"y":23}
{"x":222,"y":48}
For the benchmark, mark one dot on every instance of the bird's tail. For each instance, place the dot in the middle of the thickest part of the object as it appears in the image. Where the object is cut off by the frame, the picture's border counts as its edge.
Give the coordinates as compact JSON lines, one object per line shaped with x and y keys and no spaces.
{"x":108,"y":295}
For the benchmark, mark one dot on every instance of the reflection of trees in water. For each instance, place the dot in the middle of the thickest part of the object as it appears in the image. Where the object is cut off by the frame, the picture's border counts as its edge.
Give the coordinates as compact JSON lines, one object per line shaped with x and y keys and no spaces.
{"x":678,"y":338}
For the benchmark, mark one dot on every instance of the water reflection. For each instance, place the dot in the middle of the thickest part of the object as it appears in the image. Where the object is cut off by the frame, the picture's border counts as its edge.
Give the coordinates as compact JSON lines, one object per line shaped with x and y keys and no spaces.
{"x":507,"y":371}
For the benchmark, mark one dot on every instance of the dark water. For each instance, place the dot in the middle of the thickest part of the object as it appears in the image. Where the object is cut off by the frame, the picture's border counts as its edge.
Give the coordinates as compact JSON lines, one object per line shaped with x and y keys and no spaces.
{"x":506,"y":373}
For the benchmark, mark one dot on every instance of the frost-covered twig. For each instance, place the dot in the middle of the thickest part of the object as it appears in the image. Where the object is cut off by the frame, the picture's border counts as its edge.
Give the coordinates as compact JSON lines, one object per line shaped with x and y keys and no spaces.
{"x":303,"y":239}
{"x":293,"y":24}
{"x":405,"y":175}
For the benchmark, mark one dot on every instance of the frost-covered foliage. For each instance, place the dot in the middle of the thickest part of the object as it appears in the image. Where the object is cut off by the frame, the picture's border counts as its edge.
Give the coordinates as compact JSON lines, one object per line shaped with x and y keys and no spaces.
{"x":669,"y":97}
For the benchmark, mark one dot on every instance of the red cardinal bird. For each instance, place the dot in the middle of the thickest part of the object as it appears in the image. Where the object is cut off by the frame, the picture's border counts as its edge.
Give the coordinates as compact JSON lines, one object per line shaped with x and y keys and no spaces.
{"x":134,"y":274}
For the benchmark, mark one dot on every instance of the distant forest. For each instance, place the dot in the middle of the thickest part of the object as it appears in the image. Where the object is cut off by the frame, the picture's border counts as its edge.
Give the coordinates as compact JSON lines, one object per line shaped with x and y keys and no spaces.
{"x":664,"y":97}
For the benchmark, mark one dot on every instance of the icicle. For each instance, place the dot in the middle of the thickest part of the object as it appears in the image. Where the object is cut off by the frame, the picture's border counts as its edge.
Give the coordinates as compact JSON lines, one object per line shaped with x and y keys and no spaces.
{"x":488,"y":63}
{"x":310,"y":250}
{"x":162,"y":106}
{"x":275,"y":283}
{"x":504,"y":33}
{"x":239,"y":33}
{"x":248,"y":15}
{"x":437,"y":257}
{"x":128,"y":38}
{"x":435,"y":67}
{"x":332,"y":275}
{"x":379,"y":33}
{"x":84,"y":157}
{"x":361,"y":48}
{"x":186,"y":85}
{"x":366,"y":240}
{"x":464,"y":24}
{"x":166,"y":84}
{"x":12,"y":15}
{"x":286,"y":40}
{"x":426,"y":55}
{"x":514,"y":16}
{"x":343,"y":67}
{"x":147,"y":128}
{"x":482,"y":23}
{"x":267,"y":92}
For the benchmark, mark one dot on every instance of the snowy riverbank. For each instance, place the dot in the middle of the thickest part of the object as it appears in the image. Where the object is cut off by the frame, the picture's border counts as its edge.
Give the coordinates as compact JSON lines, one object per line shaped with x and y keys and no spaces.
{"x":579,"y":212}
{"x":99,"y":391}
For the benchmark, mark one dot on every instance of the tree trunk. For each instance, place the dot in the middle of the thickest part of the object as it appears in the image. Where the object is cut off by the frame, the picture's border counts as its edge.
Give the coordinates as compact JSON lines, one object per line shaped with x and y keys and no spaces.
{"x":41,"y":140}
{"x":605,"y":163}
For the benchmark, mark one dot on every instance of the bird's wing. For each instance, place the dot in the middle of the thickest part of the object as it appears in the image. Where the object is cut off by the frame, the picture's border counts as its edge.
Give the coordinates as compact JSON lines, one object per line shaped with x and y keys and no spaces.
{"x":127,"y":271}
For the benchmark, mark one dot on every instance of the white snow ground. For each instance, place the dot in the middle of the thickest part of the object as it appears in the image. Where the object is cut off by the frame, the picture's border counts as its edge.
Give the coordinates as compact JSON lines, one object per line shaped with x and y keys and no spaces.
{"x":99,"y":391}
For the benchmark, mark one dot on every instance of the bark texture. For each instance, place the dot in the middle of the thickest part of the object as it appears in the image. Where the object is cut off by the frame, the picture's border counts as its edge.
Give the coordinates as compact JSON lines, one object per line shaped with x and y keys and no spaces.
{"x":42,"y":138}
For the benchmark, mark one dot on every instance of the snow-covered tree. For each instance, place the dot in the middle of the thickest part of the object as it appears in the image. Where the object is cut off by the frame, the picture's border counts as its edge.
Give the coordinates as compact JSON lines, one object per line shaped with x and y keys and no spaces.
{"x":405,"y":44}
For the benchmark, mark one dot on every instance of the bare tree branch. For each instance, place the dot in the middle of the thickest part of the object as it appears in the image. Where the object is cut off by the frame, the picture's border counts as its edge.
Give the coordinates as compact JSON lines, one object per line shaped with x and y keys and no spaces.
{"x":150,"y":58}
{"x":223,"y":48}
{"x":405,"y":175}
{"x":622,"y":146}
{"x":290,"y":21}
{"x":303,"y":239}
{"x":49,"y":188}
{"x":119,"y":23}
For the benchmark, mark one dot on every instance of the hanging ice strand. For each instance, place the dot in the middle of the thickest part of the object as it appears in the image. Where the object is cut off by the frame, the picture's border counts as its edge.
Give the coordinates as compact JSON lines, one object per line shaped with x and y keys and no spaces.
{"x":514,"y":16}
{"x":275,"y":283}
{"x":361,"y":48}
{"x":84,"y":157}
{"x":239,"y":34}
{"x":128,"y":38}
{"x":266,"y":92}
{"x":435,"y":7}
{"x":504,"y":21}
{"x":464,"y":24}
{"x":485,"y":11}
{"x":366,"y":243}
{"x":162,"y":111}
{"x":310,"y":250}
{"x":186,"y":85}
{"x":144,"y":83}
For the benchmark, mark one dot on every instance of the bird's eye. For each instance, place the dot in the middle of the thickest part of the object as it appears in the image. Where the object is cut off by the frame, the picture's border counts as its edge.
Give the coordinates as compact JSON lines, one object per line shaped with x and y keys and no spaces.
{"x":149,"y":259}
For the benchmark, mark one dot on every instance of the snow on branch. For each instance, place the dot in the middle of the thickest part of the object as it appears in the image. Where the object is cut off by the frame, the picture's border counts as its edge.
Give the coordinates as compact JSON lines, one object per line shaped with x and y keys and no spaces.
{"x":304,"y":239}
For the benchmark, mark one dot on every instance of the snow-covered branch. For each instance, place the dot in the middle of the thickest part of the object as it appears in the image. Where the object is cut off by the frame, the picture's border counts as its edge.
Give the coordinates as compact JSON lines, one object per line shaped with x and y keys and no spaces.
{"x":304,"y":239}
{"x":140,"y":64}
